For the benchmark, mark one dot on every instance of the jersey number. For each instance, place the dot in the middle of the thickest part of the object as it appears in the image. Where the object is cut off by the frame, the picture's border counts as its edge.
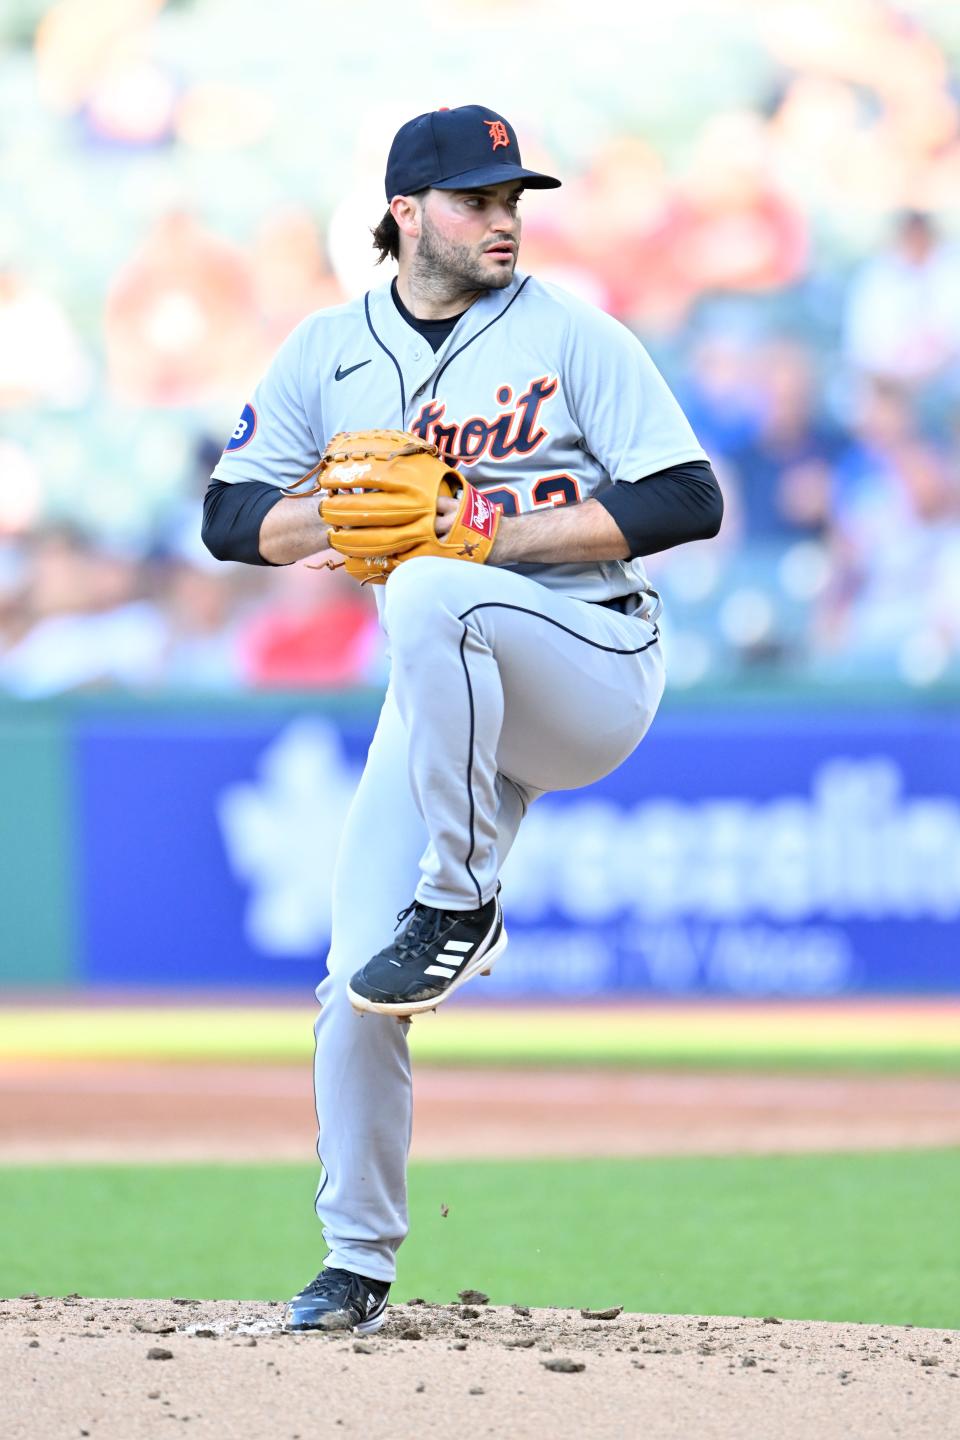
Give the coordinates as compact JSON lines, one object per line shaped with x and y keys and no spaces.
{"x":554,"y":490}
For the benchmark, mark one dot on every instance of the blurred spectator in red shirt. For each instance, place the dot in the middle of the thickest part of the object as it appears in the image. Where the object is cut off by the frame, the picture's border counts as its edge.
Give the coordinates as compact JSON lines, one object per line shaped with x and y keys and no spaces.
{"x":727,"y":227}
{"x":290,"y":273}
{"x":317,"y":628}
{"x":181,"y":318}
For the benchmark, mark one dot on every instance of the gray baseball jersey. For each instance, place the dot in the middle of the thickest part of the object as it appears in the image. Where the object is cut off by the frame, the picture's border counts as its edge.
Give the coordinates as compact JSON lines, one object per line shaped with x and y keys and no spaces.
{"x":501,"y":688}
{"x":539,"y":398}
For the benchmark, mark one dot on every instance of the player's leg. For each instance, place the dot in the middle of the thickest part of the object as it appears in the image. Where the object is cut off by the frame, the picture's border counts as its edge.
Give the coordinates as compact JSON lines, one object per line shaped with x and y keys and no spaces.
{"x":362,"y":1067}
{"x":362,"y":1071}
{"x":495,"y":676}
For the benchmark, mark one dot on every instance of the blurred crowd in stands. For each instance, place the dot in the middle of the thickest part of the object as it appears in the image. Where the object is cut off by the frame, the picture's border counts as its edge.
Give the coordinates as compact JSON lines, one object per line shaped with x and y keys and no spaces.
{"x":789,"y":261}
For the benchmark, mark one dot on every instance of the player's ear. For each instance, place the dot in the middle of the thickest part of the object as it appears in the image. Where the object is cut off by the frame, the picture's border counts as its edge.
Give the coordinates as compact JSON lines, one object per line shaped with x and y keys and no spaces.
{"x":406,"y":211}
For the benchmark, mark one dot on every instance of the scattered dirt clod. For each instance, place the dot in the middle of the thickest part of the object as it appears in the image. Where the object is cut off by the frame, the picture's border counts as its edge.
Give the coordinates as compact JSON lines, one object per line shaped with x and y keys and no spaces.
{"x":473,"y":1297}
{"x":563,"y":1366}
{"x":157,"y":1352}
{"x":609,"y":1314}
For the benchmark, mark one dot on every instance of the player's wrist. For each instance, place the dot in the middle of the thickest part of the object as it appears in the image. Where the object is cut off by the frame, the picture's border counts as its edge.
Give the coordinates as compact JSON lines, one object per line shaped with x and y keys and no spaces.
{"x":503,"y":544}
{"x":293,"y":530}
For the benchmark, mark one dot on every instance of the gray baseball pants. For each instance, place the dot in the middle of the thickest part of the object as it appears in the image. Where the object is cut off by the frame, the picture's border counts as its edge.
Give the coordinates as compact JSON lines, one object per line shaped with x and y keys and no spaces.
{"x":500,"y":691}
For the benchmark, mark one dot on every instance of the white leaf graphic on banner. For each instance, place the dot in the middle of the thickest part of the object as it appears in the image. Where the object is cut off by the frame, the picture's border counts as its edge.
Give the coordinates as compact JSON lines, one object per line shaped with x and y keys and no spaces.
{"x":281,"y":833}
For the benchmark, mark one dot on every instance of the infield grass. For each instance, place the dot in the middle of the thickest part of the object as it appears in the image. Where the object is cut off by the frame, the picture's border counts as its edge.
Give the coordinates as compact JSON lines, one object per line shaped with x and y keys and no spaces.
{"x":918,"y":1036}
{"x":869,"y":1237}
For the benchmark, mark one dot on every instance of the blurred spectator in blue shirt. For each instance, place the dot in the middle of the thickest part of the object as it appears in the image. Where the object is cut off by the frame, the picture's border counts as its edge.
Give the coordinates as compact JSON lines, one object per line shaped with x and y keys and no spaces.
{"x":88,"y":622}
{"x":894,"y":537}
{"x":783,"y":468}
{"x":715,"y":385}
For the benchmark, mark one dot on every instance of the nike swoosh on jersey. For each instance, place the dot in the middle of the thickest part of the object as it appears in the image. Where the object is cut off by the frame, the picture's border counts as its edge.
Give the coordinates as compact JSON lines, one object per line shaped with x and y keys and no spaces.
{"x":342,"y":374}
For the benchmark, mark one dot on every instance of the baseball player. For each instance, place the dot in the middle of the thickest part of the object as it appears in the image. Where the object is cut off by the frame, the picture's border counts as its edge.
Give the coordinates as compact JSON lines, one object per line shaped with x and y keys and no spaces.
{"x":539,"y":669}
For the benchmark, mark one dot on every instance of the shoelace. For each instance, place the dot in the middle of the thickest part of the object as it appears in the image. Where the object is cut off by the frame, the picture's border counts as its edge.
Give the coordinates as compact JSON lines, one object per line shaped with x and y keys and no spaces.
{"x":332,"y":1277}
{"x":325,"y":1279}
{"x":426,"y":925}
{"x":423,"y":929}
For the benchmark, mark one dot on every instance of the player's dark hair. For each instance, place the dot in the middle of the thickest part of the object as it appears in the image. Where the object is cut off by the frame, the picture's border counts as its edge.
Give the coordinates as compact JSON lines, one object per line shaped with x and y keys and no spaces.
{"x":386,"y":237}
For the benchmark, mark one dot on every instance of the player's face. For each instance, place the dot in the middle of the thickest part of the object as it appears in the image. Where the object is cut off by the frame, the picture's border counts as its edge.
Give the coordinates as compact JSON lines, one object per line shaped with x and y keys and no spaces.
{"x":471,"y":236}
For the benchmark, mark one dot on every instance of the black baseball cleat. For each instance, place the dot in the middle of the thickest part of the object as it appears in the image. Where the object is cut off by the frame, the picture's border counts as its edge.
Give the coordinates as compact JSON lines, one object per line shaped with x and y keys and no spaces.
{"x":436,"y":952}
{"x":339,"y":1300}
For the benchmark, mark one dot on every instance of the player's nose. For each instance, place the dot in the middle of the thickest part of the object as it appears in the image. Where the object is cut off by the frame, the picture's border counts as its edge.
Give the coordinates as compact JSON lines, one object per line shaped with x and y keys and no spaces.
{"x":504,"y":221}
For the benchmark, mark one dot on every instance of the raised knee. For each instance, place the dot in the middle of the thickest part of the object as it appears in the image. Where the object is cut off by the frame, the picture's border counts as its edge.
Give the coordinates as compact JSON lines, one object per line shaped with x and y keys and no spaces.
{"x":411,"y":579}
{"x":419,"y":591}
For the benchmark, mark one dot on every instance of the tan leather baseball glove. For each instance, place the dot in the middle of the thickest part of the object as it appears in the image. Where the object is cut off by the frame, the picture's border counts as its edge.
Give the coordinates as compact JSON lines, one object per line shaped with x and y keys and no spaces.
{"x":380,"y":490}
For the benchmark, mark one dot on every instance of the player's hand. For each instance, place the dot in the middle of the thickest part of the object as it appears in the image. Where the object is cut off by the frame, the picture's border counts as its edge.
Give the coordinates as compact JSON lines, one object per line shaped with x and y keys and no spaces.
{"x":446,"y":510}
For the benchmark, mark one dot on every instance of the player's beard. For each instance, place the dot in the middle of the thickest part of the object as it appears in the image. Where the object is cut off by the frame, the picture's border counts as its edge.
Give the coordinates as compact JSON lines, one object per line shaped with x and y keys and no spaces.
{"x":446,"y":270}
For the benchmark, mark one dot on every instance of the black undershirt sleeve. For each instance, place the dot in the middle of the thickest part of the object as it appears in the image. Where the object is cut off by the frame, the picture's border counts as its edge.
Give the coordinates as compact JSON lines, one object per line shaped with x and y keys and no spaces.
{"x":232,"y":516}
{"x":667,"y":508}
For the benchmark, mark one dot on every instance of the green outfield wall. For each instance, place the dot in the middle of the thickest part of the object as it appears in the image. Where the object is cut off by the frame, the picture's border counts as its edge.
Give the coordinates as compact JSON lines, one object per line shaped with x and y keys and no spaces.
{"x":39,"y":853}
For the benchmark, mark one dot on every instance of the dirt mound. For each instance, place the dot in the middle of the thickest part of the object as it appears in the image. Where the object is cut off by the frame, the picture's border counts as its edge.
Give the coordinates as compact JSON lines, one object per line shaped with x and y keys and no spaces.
{"x":123,"y":1369}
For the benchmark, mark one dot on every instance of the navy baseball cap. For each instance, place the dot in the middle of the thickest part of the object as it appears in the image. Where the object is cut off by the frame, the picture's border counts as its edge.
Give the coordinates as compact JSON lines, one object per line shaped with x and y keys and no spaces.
{"x":460,"y":149}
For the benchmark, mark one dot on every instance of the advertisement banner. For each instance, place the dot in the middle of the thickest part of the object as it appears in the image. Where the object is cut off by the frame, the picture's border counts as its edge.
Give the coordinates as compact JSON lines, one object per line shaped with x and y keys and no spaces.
{"x":733,"y":854}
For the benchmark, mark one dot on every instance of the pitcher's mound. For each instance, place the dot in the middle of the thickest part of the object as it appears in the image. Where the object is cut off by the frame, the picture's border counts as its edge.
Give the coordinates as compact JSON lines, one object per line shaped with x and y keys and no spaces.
{"x":123,"y":1369}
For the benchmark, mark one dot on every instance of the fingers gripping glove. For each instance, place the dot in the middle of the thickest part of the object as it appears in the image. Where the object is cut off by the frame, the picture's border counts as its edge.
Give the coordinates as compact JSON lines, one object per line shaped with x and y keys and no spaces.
{"x":380,"y":491}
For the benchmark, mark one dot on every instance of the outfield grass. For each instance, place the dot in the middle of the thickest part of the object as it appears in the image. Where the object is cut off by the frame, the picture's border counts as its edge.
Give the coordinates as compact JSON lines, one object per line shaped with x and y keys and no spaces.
{"x":870,"y":1237}
{"x":894,"y":1037}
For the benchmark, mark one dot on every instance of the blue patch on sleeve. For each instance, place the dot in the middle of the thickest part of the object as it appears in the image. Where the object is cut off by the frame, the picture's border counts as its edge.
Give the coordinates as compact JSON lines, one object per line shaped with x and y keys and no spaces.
{"x":245,"y":431}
